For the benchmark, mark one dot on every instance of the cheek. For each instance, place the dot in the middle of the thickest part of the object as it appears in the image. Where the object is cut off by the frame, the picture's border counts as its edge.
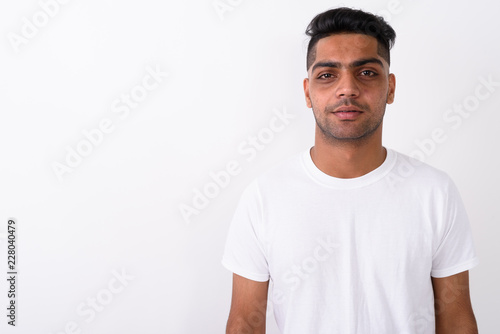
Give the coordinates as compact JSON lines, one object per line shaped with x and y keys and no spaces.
{"x":380,"y":101}
{"x":313,"y":100}
{"x":322,"y":98}
{"x":379,"y":97}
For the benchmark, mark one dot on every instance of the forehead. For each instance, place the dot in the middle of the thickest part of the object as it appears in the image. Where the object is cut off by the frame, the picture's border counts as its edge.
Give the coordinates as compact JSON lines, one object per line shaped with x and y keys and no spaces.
{"x":346,"y":46}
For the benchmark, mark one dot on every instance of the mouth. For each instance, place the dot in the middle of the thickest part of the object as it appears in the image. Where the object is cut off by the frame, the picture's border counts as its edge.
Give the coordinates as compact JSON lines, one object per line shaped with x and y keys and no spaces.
{"x":347,"y":113}
{"x":347,"y":109}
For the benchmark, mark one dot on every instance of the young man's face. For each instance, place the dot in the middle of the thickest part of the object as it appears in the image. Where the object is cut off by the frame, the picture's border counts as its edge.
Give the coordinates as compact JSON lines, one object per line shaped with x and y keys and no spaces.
{"x":348,"y":87}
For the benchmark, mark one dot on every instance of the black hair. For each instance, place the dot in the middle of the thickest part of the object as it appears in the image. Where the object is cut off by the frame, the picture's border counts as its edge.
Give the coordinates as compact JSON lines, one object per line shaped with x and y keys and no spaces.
{"x":348,"y":20}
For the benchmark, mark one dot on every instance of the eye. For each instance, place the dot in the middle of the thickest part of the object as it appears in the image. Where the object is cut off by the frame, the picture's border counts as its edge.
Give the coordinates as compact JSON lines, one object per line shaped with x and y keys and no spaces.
{"x":325,"y":76}
{"x":368,"y":73}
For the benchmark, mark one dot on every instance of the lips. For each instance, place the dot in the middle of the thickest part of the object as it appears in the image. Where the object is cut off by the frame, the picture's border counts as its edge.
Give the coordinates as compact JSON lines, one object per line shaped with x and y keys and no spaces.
{"x":347,"y":109}
{"x":347,"y":112}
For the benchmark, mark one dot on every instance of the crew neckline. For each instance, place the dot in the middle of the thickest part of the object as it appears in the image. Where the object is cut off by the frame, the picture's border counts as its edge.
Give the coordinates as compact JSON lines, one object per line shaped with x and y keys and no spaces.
{"x":334,"y":182}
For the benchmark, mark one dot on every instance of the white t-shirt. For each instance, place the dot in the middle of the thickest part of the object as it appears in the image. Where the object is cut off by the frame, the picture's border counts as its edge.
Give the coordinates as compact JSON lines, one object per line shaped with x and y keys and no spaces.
{"x":351,"y":255}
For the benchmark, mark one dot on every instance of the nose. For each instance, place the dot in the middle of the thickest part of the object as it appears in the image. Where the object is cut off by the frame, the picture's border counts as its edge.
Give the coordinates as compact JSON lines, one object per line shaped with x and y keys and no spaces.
{"x":347,"y":86}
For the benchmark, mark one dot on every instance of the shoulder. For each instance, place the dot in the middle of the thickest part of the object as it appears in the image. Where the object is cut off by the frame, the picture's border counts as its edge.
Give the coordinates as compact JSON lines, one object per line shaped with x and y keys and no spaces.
{"x":415,"y":173}
{"x":283,"y":172}
{"x":278,"y":176}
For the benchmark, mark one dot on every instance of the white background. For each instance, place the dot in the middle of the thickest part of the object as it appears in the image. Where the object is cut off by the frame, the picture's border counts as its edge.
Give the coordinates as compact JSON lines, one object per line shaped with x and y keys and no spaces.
{"x":119,"y":208}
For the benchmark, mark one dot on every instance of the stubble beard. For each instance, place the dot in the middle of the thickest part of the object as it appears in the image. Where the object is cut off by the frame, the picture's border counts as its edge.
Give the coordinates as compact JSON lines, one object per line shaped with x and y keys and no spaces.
{"x":336,"y":136}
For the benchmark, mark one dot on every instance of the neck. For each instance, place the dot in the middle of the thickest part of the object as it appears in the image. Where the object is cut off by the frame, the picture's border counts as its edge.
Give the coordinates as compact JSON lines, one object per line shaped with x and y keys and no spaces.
{"x":348,"y":159}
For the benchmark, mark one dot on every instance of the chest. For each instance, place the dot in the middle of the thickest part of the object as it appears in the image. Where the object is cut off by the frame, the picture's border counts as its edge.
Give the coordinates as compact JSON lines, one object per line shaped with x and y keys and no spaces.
{"x":349,"y":233}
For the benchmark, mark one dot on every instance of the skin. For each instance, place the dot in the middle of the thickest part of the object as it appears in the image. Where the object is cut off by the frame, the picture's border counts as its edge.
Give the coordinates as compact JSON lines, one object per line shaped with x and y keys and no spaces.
{"x":348,"y":71}
{"x":348,"y":148}
{"x":453,"y":308}
{"x":248,"y":307}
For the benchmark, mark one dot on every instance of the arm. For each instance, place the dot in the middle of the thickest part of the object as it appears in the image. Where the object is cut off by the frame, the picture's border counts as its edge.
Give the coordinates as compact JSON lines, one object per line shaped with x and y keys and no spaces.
{"x":452,"y":305}
{"x":248,"y":307}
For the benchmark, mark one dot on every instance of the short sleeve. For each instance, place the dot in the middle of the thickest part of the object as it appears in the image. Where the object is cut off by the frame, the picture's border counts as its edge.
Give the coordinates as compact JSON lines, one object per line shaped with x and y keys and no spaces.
{"x":244,"y":252}
{"x":456,"y":252}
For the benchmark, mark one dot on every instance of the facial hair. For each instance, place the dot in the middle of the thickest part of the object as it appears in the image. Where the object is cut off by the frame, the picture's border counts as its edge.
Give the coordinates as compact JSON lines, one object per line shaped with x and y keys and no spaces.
{"x":334,"y":133}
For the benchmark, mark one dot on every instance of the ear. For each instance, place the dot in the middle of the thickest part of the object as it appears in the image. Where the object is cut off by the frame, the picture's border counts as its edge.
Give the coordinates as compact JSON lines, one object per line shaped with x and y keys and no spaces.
{"x":392,"y":88}
{"x":306,"y":93}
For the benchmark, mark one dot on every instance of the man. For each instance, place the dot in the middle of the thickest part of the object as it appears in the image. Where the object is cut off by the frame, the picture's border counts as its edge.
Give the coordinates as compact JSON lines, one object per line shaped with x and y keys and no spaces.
{"x":355,"y":237}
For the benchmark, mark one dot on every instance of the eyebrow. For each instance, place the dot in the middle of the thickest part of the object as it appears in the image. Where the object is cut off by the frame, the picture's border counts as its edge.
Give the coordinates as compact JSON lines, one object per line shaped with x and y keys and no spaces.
{"x":356,"y":63}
